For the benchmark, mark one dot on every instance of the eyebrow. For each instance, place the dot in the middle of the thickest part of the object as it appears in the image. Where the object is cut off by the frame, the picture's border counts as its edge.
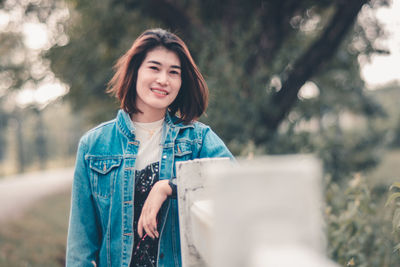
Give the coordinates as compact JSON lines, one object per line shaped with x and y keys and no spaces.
{"x":158,"y":63}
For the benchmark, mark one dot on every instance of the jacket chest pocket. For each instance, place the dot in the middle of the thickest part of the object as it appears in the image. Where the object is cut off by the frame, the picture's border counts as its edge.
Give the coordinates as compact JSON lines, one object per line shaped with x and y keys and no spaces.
{"x":103,"y":172}
{"x":183,"y":151}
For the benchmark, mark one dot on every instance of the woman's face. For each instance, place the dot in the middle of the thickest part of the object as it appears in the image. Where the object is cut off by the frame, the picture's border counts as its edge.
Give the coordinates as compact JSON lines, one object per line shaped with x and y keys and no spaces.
{"x":158,"y":82}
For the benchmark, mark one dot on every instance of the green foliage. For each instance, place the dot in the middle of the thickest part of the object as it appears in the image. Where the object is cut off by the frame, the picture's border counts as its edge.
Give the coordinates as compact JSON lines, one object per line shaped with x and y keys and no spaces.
{"x":393,"y":201}
{"x":14,"y":61}
{"x":238,"y":53}
{"x":349,"y":152}
{"x":388,"y":96}
{"x":396,"y":134}
{"x":3,"y":125}
{"x":358,"y":227}
{"x":22,"y":67}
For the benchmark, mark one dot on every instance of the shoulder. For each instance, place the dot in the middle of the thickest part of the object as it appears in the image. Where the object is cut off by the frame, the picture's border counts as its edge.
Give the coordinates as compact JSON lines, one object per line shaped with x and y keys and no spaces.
{"x":182,"y":126}
{"x":211,"y":145}
{"x":196,"y":131}
{"x":98,"y":133}
{"x":201,"y":133}
{"x":200,"y":127}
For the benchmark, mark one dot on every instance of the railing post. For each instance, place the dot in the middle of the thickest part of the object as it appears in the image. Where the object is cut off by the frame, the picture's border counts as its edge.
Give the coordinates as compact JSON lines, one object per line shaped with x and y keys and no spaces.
{"x":264,"y":212}
{"x":192,"y":188}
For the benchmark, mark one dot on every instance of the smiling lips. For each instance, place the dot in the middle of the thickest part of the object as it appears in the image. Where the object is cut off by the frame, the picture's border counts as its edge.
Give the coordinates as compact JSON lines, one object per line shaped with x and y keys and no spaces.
{"x":159,"y":91}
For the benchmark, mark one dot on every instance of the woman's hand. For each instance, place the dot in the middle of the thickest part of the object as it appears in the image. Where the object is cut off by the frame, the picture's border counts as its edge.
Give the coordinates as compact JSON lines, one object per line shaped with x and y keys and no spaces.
{"x":148,"y":218}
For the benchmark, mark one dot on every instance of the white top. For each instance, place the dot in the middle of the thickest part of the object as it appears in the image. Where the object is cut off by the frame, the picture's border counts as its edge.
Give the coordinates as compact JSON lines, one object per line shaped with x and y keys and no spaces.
{"x":149,"y":136}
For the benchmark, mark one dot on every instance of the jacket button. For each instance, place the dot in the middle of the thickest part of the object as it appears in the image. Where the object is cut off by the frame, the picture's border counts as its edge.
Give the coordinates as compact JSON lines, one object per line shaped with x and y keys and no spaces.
{"x":161,"y":255}
{"x":164,"y":157}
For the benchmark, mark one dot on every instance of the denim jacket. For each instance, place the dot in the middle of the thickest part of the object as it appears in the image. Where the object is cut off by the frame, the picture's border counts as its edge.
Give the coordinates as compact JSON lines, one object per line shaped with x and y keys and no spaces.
{"x":101,"y":220}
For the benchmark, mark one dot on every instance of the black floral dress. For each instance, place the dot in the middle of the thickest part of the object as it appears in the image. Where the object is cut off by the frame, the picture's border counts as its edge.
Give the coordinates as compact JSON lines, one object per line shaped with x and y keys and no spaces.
{"x":145,"y":249}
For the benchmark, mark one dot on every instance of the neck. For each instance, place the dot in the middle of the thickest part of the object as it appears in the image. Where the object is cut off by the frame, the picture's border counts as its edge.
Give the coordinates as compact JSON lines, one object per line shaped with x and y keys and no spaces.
{"x":148,"y":116}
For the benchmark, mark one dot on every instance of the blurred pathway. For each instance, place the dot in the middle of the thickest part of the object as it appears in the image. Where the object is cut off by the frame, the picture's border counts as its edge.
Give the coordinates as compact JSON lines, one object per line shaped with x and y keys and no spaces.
{"x":18,"y":192}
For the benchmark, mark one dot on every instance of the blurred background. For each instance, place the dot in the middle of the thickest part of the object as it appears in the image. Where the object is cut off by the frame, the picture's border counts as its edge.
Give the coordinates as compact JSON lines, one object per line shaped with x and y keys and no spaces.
{"x":285,"y":76}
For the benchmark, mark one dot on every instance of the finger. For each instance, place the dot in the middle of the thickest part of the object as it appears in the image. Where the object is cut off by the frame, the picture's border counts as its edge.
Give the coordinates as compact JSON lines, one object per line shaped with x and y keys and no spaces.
{"x":152,"y":226}
{"x":157,"y":234}
{"x":149,"y":222}
{"x":140,"y":227}
{"x":144,"y":224}
{"x":149,"y":231}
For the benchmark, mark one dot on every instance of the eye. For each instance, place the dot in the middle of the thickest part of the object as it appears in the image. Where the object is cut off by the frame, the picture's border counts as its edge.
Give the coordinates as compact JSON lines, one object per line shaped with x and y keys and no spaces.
{"x":153,"y":67}
{"x":175,"y":72}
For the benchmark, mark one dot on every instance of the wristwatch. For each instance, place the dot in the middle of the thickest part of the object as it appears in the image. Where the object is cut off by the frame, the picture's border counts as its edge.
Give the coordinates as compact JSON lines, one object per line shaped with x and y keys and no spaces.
{"x":174,"y":188}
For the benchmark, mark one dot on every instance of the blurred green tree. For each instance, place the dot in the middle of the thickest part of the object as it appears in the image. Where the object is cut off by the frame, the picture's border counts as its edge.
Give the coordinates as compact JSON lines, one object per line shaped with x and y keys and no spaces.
{"x":13,"y":72}
{"x":239,"y":53}
{"x":20,"y":65}
{"x":256,"y":57}
{"x":23,"y":67}
{"x":396,"y":134}
{"x":3,"y":124}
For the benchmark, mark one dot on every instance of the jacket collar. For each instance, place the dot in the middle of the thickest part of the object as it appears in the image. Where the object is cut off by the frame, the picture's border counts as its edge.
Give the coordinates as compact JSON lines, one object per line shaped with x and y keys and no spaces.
{"x":171,"y":121}
{"x":126,"y":126}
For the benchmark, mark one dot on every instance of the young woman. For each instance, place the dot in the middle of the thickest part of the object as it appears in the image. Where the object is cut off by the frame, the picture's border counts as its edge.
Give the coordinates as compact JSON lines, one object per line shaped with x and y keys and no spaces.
{"x":124,"y":210}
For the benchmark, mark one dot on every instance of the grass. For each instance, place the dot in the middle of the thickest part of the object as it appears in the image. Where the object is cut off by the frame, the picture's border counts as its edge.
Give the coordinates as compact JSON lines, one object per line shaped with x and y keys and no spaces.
{"x":39,"y":237}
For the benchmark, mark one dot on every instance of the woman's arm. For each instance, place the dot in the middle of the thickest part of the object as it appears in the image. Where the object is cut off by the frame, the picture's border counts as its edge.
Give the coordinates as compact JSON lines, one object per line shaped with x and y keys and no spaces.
{"x":212,"y":147}
{"x":83,"y":232}
{"x":147,"y":221}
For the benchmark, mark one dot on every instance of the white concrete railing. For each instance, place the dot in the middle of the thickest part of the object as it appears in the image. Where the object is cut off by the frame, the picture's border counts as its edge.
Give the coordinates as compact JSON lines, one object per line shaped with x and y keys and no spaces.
{"x":264,"y":212}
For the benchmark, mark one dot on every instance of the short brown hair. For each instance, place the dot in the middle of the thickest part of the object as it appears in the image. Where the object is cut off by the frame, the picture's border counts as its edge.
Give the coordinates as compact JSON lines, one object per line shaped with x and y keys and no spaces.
{"x":192,"y":99}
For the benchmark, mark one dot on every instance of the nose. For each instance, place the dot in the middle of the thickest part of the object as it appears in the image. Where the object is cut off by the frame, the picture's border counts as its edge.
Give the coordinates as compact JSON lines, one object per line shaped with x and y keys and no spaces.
{"x":162,"y":78}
